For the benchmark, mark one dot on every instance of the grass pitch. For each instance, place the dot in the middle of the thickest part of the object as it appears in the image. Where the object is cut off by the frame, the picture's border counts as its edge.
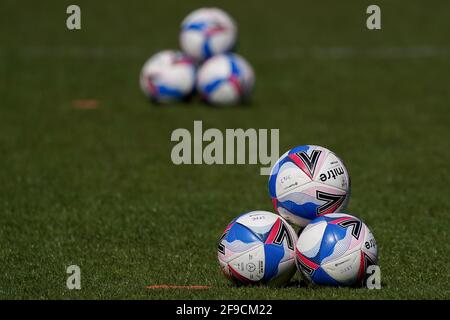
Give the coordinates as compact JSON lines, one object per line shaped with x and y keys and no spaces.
{"x":96,"y":187}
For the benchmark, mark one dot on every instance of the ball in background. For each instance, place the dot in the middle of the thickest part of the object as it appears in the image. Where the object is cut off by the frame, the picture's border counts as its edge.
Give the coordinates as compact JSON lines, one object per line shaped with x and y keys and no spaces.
{"x":258,"y":248}
{"x":335,"y":250}
{"x":307,"y":182}
{"x":168,"y":76}
{"x":225,"y":79}
{"x":206,"y":32}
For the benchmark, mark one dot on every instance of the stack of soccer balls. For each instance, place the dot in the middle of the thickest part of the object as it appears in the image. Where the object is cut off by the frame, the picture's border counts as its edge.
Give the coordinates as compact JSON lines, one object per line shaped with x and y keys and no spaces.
{"x":309,"y":186}
{"x":205,"y":64}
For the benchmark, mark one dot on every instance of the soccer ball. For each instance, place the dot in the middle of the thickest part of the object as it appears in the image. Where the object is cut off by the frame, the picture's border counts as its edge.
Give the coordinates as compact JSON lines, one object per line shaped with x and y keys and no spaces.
{"x":206,"y":32}
{"x":336,"y":249}
{"x":168,"y":76}
{"x":258,"y":248}
{"x":225,"y":79}
{"x":307,"y":182}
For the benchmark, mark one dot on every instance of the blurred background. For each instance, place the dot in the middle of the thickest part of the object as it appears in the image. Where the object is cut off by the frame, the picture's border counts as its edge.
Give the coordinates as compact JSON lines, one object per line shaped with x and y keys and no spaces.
{"x":86,"y":173}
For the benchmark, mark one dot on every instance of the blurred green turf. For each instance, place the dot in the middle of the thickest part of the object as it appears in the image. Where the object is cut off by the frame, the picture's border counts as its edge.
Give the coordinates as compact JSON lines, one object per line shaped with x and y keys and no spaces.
{"x":97,"y":188}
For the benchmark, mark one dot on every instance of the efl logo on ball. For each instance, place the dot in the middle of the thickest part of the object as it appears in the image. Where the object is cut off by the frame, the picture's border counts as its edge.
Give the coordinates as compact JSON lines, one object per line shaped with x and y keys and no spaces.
{"x":206,"y":32}
{"x":168,"y":76}
{"x":258,"y":248}
{"x":336,"y":250}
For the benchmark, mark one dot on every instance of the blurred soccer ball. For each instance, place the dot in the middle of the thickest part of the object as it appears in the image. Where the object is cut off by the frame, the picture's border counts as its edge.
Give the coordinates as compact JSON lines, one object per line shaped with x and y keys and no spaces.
{"x":307,"y":182}
{"x":225,"y":79}
{"x":258,"y":248}
{"x":168,"y":76}
{"x":206,"y":32}
{"x":335,"y":250}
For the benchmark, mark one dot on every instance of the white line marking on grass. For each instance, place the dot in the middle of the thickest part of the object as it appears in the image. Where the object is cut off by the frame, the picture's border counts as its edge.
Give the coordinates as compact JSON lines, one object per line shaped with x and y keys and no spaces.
{"x":170,"y":286}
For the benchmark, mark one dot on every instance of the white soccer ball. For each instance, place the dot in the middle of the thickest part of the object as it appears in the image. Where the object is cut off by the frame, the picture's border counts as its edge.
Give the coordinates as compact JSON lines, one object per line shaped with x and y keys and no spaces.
{"x":307,"y":182}
{"x":168,"y":76}
{"x":225,"y":79}
{"x":206,"y":32}
{"x":258,"y":248}
{"x":335,"y":250}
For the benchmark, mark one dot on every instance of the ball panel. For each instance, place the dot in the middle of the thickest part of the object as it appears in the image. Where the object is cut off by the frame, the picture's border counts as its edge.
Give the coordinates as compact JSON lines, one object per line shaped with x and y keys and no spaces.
{"x":296,"y":189}
{"x":242,"y":233}
{"x":308,"y":158}
{"x":332,"y":235}
{"x":286,"y":270}
{"x":258,"y":247}
{"x":274,"y":255}
{"x":221,"y":41}
{"x":283,"y":236}
{"x":369,"y":245}
{"x":294,"y":238}
{"x":274,"y":174}
{"x":260,"y":222}
{"x":191,"y":41}
{"x":306,"y":266}
{"x":224,"y":94}
{"x":321,"y":277}
{"x":312,"y":200}
{"x":237,"y":247}
{"x":333,"y":217}
{"x":217,"y":67}
{"x":341,"y":246}
{"x":304,"y":148}
{"x":244,"y":74}
{"x":327,"y":198}
{"x":298,"y":203}
{"x":292,"y":218}
{"x":289,"y":178}
{"x":167,"y":76}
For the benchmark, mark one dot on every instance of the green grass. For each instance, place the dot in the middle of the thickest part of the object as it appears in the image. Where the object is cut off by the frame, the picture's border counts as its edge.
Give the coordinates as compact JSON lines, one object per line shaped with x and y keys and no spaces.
{"x":97,"y":188}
